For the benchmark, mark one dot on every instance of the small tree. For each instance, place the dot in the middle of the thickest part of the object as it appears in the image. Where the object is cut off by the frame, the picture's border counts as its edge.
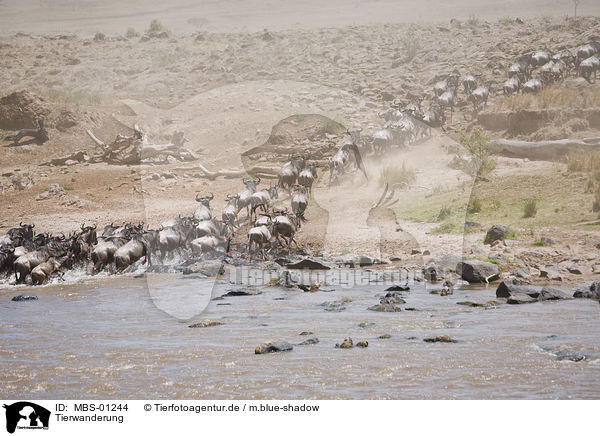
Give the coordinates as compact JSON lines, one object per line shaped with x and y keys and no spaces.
{"x":155,"y":26}
{"x":475,"y":145}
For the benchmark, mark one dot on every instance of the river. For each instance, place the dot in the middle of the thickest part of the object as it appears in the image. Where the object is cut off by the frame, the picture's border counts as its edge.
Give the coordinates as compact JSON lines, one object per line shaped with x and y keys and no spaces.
{"x":106,"y":338}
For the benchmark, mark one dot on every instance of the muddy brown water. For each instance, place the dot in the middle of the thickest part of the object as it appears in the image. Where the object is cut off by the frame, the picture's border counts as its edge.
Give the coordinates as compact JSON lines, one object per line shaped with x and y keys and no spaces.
{"x":106,"y":338}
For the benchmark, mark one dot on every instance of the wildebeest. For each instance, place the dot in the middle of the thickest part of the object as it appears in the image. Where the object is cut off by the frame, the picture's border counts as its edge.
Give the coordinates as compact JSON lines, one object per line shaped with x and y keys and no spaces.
{"x":258,"y":237}
{"x":540,"y":58}
{"x":130,"y":253}
{"x":44,"y":270}
{"x":479,"y":96}
{"x":511,"y":86}
{"x":446,"y":99}
{"x":176,"y":236}
{"x":210,"y":244}
{"x":307,"y":177}
{"x":262,"y":199}
{"x":203,"y":211}
{"x":288,"y":174}
{"x":347,"y":153}
{"x":245,"y":194}
{"x":469,"y":83}
{"x":382,"y":140}
{"x":83,"y":244}
{"x":23,"y":265}
{"x":299,"y":203}
{"x":586,"y":51}
{"x":533,"y":85}
{"x":589,"y":66}
{"x":434,"y":116}
{"x":17,"y":235}
{"x":285,"y":225}
{"x":229,"y":214}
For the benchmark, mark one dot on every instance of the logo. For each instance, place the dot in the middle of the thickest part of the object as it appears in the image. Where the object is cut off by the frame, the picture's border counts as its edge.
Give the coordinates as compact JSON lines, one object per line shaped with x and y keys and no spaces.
{"x":26,"y":415}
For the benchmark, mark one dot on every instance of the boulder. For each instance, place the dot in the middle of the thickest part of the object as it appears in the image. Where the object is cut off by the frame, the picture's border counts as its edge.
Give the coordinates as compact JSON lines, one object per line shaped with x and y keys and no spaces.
{"x":308,"y":263}
{"x":346,"y":343}
{"x":507,"y":289}
{"x":207,"y":323}
{"x":273,"y":347}
{"x":242,"y":292}
{"x":440,"y":338}
{"x":362,"y":344}
{"x":578,"y":269}
{"x":397,"y":288}
{"x":384,"y":336}
{"x":546,"y":241}
{"x":336,"y":305}
{"x":439,"y":266}
{"x":520,"y":299}
{"x":24,"y":298}
{"x":593,"y":292}
{"x":496,"y":233}
{"x":209,"y":268}
{"x":548,"y":293}
{"x":388,"y":303}
{"x":477,"y":271}
{"x":309,"y":341}
{"x":550,"y":274}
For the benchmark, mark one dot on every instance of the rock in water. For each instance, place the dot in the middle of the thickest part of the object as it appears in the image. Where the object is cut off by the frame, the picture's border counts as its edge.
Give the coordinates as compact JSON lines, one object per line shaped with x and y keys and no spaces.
{"x":397,"y":288}
{"x":508,"y":288}
{"x":207,"y":323}
{"x":308,"y":264}
{"x":209,"y":268}
{"x":309,"y":341}
{"x":477,"y":271}
{"x":346,"y":343}
{"x":496,"y":233}
{"x":273,"y":347}
{"x":440,"y":338}
{"x":362,"y":344}
{"x":548,"y":293}
{"x":389,"y":303}
{"x":593,"y":292}
{"x":24,"y":298}
{"x":242,"y":292}
{"x":439,"y":266}
{"x":520,"y":299}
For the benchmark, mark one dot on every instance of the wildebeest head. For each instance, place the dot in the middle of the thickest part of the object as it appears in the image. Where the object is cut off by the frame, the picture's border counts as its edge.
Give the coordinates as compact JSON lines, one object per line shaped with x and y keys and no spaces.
{"x":205,"y":200}
{"x":22,"y":233}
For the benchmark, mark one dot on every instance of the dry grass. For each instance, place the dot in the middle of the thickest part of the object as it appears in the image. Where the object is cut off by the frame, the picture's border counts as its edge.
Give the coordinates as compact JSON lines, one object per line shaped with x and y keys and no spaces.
{"x":552,"y":97}
{"x":397,"y":176}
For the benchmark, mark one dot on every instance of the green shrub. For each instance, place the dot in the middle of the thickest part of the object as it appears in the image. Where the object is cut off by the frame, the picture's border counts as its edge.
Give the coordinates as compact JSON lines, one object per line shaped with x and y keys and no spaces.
{"x":443,"y":228}
{"x":155,"y":26}
{"x":475,"y":146}
{"x":444,"y":213}
{"x":474,"y":205}
{"x":530,"y":208}
{"x":131,"y":33}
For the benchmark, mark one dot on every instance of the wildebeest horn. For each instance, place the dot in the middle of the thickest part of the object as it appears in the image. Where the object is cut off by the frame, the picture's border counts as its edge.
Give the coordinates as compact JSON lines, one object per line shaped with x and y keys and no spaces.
{"x":198,"y":197}
{"x":21,"y":224}
{"x":212,"y":195}
{"x":257,"y":180}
